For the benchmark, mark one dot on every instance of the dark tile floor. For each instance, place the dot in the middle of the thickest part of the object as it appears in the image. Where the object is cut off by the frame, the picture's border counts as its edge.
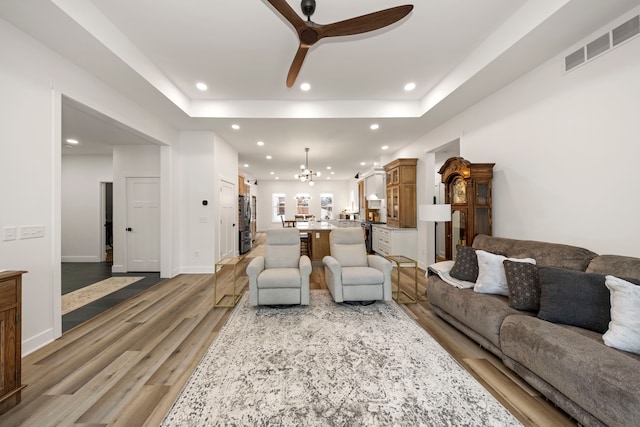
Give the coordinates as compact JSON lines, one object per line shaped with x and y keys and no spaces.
{"x":76,"y":275}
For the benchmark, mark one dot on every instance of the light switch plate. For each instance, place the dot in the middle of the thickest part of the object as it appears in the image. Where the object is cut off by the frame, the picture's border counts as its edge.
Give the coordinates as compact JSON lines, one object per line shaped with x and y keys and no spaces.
{"x":9,"y":233}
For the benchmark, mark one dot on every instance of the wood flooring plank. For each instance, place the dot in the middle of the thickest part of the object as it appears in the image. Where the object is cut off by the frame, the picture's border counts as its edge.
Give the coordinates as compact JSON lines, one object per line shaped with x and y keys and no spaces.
{"x":528,"y":410}
{"x":154,"y":354}
{"x":93,"y":390}
{"x":141,"y":407}
{"x":173,"y":370}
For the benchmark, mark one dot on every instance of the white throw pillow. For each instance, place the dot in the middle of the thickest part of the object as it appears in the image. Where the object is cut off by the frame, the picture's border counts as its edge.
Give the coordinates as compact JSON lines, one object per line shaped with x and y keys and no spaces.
{"x":491,"y":275}
{"x":624,"y":328}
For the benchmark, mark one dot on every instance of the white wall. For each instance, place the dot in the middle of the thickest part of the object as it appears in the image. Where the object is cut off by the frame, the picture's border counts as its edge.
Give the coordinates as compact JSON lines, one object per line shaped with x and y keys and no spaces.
{"x":32,"y":81}
{"x":129,"y":161}
{"x":82,"y":223}
{"x":197,"y":183}
{"x":566,"y":152}
{"x":341,"y":198}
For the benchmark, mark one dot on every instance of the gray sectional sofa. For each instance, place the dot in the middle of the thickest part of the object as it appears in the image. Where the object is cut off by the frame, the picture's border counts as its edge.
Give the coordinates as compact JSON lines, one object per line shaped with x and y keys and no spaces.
{"x":570,"y":365}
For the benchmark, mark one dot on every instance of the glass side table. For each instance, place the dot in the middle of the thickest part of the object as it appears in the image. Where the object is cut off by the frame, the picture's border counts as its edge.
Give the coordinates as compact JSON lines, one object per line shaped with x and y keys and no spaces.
{"x":235,"y":297}
{"x":403,"y":261}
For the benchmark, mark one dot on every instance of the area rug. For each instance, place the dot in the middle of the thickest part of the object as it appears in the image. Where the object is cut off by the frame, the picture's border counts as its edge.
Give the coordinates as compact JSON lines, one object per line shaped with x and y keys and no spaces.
{"x":331,"y":364}
{"x":83,"y":296}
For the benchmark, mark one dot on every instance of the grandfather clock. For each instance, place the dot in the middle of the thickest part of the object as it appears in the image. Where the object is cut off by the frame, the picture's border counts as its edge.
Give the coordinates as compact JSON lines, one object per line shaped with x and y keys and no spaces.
{"x":468,"y":190}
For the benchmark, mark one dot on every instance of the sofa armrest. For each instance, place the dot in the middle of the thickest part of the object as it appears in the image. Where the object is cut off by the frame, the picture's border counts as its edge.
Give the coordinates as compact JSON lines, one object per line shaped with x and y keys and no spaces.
{"x":380,"y":263}
{"x":333,"y":277}
{"x":305,"y":266}
{"x":255,"y":267}
{"x":384,"y":265}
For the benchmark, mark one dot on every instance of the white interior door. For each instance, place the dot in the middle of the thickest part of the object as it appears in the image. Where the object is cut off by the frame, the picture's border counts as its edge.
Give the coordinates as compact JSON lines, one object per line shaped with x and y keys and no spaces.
{"x":143,"y":224}
{"x":228,"y":219}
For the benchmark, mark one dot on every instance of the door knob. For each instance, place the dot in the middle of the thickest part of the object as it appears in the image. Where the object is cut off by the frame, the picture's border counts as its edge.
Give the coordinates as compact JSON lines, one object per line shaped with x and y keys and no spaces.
{"x":128,"y":229}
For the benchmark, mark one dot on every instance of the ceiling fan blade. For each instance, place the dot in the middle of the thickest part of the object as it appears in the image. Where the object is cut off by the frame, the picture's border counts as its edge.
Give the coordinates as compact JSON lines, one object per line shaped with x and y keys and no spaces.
{"x":296,"y":65}
{"x":364,"y":23}
{"x":287,"y":13}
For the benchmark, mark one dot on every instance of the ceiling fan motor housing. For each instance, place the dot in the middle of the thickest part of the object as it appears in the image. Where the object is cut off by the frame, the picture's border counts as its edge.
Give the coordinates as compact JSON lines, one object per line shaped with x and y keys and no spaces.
{"x":308,"y":7}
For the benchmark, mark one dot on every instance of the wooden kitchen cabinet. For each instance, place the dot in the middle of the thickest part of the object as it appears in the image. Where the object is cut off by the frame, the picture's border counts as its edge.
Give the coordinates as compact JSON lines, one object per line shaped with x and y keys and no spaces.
{"x":388,"y":241}
{"x":10,"y":339}
{"x":401,"y":193}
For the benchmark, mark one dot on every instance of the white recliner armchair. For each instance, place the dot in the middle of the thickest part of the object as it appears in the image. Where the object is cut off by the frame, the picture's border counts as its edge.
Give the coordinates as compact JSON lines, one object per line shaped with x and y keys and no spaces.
{"x":281,"y":276}
{"x":352,"y":274}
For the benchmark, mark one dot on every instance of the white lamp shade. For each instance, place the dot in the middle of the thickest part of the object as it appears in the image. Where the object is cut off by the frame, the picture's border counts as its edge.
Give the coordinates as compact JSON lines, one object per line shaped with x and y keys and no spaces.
{"x":435,"y":213}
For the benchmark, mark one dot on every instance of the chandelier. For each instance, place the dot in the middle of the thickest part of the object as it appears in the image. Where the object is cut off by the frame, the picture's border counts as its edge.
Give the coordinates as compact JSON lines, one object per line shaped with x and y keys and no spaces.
{"x":306,"y":174}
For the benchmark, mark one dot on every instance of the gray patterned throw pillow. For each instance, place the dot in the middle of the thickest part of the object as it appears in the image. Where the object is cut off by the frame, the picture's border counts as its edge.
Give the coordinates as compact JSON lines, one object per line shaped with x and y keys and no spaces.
{"x":466,"y":265}
{"x":524,"y":285}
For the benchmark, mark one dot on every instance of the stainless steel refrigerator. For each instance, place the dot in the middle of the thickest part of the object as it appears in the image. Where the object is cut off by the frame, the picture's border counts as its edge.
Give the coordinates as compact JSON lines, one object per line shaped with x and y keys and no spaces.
{"x":244,"y":219}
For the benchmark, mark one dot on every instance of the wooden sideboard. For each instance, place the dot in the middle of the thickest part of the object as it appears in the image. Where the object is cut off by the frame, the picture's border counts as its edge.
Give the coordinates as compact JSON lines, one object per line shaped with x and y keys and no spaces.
{"x":10,"y":339}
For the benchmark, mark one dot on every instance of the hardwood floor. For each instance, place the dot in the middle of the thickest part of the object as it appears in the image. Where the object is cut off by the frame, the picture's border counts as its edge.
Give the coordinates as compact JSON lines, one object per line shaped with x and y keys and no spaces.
{"x":126,"y":366}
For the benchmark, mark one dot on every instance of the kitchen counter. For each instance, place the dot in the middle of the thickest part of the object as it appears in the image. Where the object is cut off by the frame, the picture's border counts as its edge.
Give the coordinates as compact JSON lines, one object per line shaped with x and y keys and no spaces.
{"x":314,"y":225}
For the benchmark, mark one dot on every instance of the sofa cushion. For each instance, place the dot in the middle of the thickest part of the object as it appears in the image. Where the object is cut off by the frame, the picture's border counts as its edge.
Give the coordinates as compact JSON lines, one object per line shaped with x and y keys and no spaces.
{"x":483,"y":313}
{"x":348,"y":248}
{"x":574,"y":298}
{"x":624,"y":328}
{"x":546,"y":254}
{"x":524,"y":286}
{"x":279,"y":278}
{"x":491,"y":275}
{"x":361,"y":276}
{"x":603,"y":381}
{"x":616,"y":265}
{"x":466,"y":264}
{"x":282,"y":248}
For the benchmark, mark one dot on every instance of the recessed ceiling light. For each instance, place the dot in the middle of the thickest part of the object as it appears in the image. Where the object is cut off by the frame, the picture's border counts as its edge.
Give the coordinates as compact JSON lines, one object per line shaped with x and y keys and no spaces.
{"x":201,"y":86}
{"x":235,"y":126}
{"x":409,"y":87}
{"x":385,"y":147}
{"x":72,"y":141}
{"x":246,"y":165}
{"x":332,"y":172}
{"x":272,"y":173}
{"x":269,"y":157}
{"x":328,"y":177}
{"x":362,"y":163}
{"x":328,"y":168}
{"x":374,"y":126}
{"x":260,"y":143}
{"x":305,"y":86}
{"x":277,"y":177}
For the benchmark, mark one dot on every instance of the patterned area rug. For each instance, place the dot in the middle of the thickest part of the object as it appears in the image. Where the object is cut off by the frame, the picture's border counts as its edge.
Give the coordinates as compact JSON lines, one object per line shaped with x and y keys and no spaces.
{"x":81,"y":297}
{"x":331,"y":364}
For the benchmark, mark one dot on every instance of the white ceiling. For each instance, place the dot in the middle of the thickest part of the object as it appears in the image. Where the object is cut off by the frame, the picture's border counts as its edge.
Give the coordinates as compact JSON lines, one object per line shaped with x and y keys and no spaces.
{"x":455,"y":51}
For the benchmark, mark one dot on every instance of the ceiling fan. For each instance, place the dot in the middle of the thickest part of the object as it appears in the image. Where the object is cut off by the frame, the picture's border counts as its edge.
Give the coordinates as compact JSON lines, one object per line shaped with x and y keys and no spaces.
{"x":309,"y":32}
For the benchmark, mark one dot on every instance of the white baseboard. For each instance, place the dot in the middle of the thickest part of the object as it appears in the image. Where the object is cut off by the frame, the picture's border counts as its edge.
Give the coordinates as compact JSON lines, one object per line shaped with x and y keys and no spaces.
{"x":80,"y":258}
{"x":204,"y":269}
{"x":118,"y":268}
{"x":34,"y":343}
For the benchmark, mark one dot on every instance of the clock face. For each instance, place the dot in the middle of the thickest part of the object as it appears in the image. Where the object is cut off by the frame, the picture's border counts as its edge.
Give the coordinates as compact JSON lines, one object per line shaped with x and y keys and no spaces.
{"x":459,"y":191}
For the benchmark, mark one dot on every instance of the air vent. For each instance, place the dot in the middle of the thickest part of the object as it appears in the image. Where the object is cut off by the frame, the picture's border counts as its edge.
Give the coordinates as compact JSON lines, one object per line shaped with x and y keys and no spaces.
{"x":573,"y":60}
{"x":600,"y":45}
{"x":627,"y":30}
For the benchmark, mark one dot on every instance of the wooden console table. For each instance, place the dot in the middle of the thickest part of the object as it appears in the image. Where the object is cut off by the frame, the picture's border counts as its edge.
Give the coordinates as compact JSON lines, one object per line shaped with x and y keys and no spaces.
{"x":10,"y":339}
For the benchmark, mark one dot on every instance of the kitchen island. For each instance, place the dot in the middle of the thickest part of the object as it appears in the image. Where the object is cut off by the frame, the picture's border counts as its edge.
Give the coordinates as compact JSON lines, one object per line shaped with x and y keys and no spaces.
{"x":319,"y":236}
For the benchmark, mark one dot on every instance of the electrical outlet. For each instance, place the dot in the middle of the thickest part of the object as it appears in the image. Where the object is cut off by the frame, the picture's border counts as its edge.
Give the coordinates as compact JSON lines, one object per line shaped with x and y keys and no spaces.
{"x":9,"y":233}
{"x":31,"y":231}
